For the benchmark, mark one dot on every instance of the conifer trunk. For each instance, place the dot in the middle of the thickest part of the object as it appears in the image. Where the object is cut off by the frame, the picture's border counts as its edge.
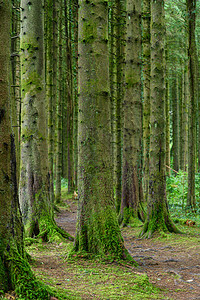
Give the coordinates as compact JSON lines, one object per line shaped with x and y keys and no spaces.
{"x":132,"y":194}
{"x":175,"y":108}
{"x":15,"y":273}
{"x":59,"y":115}
{"x":158,"y":218}
{"x":37,"y":209}
{"x":192,"y":67}
{"x":97,"y":230}
{"x":146,"y":90}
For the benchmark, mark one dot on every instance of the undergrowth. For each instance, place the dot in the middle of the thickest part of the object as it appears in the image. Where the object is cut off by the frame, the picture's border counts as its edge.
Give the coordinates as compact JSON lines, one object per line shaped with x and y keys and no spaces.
{"x":177,"y":187}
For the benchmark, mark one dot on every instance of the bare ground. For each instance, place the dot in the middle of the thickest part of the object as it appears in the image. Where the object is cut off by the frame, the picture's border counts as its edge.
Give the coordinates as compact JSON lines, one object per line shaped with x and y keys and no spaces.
{"x":171,"y":262}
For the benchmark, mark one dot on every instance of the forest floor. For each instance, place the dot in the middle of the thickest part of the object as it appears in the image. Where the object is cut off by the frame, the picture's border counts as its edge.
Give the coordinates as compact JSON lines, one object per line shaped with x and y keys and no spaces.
{"x":168,"y":265}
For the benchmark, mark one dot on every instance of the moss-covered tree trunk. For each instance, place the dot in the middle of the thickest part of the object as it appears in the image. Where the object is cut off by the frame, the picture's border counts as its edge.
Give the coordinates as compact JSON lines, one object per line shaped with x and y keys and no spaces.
{"x":15,"y":74}
{"x":98,"y":231}
{"x":55,"y":54}
{"x":15,"y":273}
{"x":132,"y":193}
{"x":35,"y":201}
{"x":70,"y":105}
{"x":192,"y":67}
{"x":146,"y":93}
{"x":167,"y":117}
{"x":74,"y":55}
{"x":158,"y":218}
{"x":49,"y":92}
{"x":185,"y":120}
{"x":119,"y":34}
{"x":59,"y":113}
{"x":183,"y":124}
{"x":8,"y":183}
{"x":175,"y":121}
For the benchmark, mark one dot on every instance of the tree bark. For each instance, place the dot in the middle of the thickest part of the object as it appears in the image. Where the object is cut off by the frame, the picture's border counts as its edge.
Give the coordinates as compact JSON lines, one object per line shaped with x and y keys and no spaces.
{"x":15,"y":272}
{"x":158,"y":218}
{"x":37,"y":209}
{"x":192,"y":67}
{"x":132,"y":193}
{"x":97,"y":230}
{"x":146,"y":90}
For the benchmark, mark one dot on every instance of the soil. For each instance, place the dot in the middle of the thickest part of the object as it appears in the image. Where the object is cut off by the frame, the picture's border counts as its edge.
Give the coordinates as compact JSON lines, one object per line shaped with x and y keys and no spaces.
{"x":172,"y":264}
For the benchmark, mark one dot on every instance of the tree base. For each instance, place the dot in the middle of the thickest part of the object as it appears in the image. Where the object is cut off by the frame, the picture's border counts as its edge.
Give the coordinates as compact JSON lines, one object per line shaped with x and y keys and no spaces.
{"x":129,"y":214}
{"x":46,"y":229}
{"x":158,"y":225}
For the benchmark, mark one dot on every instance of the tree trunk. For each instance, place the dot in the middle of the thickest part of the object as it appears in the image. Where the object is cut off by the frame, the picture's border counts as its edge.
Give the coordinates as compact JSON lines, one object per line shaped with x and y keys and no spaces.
{"x":59,"y":116}
{"x":49,"y":93}
{"x":132,"y":194}
{"x":146,"y":90}
{"x":158,"y":218}
{"x":37,"y":209}
{"x":167,"y":116}
{"x":15,"y":273}
{"x":192,"y":55}
{"x":175,"y":108}
{"x":97,"y":230}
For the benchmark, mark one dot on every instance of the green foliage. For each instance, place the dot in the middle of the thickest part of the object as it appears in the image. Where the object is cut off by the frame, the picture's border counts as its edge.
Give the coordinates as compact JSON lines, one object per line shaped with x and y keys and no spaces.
{"x":177,"y":187}
{"x":3,"y":281}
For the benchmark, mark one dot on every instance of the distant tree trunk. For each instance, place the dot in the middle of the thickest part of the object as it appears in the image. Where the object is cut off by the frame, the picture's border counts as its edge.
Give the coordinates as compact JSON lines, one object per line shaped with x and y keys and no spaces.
{"x":119,"y":33}
{"x":158,"y":218}
{"x":37,"y":209}
{"x":192,"y":55}
{"x":185,"y":119}
{"x":49,"y":92}
{"x":112,"y":78}
{"x":55,"y":54}
{"x":132,"y":194}
{"x":15,"y":71}
{"x":59,"y":115}
{"x":167,"y":117}
{"x":68,"y":132}
{"x":98,"y":231}
{"x":74,"y":54}
{"x":175,"y":109}
{"x":183,"y":124}
{"x":146,"y":90}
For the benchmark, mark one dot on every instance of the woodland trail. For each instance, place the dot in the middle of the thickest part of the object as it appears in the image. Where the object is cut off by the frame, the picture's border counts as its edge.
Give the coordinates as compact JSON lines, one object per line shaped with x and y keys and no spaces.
{"x":172,"y":264}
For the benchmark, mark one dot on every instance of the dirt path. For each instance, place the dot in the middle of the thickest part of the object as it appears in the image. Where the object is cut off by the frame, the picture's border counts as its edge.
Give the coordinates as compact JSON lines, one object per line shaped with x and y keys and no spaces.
{"x":169,"y":263}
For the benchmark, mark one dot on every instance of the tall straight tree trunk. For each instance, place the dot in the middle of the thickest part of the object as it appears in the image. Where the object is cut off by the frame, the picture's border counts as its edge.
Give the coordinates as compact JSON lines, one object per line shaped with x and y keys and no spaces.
{"x":132,"y":194}
{"x":74,"y":55}
{"x":49,"y":92}
{"x":112,"y":78}
{"x":119,"y":33}
{"x":167,"y":117}
{"x":15,"y":71}
{"x":70,"y":108}
{"x":146,"y":92}
{"x":55,"y":54}
{"x":158,"y":218}
{"x":192,"y":55}
{"x":175,"y":108}
{"x":185,"y":119}
{"x":15,"y":273}
{"x":59,"y":114}
{"x":11,"y":230}
{"x":98,"y":231}
{"x":37,"y":209}
{"x":183,"y":124}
